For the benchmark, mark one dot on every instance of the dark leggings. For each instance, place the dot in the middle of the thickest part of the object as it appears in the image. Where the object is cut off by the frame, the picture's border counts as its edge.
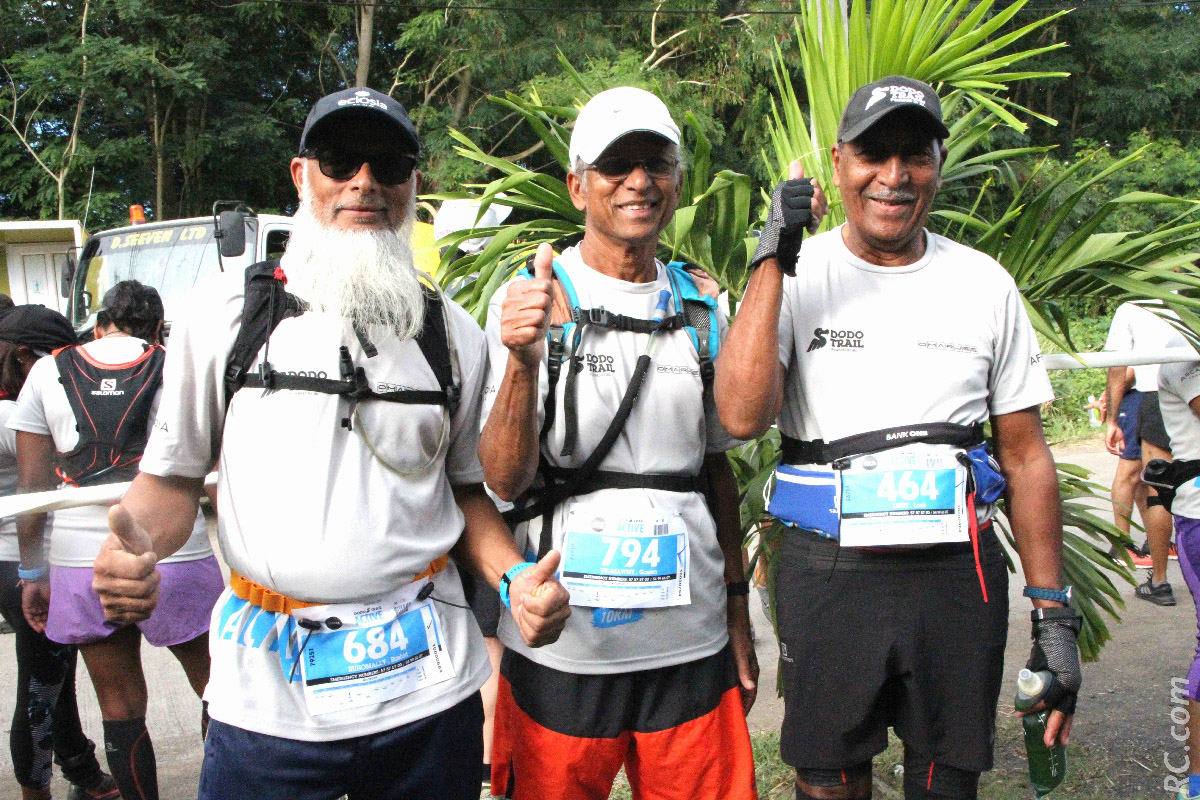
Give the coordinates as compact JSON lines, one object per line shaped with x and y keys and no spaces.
{"x":45,"y":720}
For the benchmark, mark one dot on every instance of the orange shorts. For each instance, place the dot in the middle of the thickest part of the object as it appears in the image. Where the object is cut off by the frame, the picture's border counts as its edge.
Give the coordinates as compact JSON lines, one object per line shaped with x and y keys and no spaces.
{"x":707,"y":755}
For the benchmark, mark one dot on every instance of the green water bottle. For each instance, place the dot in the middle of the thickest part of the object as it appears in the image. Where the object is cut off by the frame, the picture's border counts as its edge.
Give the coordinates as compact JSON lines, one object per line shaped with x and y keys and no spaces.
{"x":1047,"y":765}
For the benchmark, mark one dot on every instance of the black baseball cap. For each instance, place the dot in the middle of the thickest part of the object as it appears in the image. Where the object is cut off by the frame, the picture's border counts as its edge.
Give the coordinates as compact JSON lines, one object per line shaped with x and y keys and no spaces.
{"x":875,"y":101}
{"x":41,"y":329}
{"x":359,"y":102}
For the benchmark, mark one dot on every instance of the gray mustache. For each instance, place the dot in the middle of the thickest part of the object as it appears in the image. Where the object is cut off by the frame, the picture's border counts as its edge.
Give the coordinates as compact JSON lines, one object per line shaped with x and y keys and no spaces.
{"x":893,"y":197}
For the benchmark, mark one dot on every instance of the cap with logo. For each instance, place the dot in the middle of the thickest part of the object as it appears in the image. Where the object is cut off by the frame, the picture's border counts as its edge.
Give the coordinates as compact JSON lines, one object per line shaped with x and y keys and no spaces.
{"x":875,"y":101}
{"x":359,"y":102}
{"x":614,"y":113}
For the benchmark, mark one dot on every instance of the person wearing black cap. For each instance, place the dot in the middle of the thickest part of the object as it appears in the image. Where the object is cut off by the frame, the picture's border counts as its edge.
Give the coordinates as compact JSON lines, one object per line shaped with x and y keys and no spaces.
{"x":883,"y":349}
{"x":340,"y":399}
{"x":45,"y":699}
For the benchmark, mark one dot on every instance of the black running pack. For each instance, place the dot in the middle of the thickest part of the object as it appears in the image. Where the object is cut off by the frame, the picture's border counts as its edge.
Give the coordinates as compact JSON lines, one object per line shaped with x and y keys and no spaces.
{"x":112,"y":404}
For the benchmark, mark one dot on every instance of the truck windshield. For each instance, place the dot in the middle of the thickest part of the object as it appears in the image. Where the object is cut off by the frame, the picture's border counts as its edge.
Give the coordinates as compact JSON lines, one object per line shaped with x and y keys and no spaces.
{"x":171,"y":259}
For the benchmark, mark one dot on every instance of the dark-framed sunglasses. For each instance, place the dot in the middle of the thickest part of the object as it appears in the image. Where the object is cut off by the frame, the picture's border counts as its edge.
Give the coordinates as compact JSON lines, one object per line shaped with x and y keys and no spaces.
{"x":390,"y":169}
{"x":616,"y":167}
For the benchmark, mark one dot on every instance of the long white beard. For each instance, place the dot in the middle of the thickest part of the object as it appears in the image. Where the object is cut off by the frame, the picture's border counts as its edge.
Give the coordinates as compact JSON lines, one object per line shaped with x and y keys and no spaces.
{"x":364,"y":277}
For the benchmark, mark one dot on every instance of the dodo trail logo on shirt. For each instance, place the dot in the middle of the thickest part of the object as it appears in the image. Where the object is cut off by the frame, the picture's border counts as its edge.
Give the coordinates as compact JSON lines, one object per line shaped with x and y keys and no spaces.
{"x":836,"y":339}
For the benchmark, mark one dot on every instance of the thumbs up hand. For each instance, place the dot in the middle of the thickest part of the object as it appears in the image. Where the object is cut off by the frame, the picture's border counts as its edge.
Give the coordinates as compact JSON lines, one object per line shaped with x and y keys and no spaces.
{"x":525,"y":315}
{"x":540,"y":604}
{"x":124,"y":575}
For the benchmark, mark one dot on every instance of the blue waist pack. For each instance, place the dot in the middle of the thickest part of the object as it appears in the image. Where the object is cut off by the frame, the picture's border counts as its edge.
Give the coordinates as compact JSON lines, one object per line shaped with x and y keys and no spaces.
{"x":807,"y":498}
{"x":989,"y":483}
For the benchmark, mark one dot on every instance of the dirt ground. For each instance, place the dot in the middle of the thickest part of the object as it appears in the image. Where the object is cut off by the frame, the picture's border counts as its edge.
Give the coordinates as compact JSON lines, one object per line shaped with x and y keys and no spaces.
{"x":1122,"y":734}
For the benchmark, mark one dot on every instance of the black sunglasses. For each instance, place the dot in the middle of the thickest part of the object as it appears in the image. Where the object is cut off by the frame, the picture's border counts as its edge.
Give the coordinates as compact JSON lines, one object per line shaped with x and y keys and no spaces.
{"x":389,"y":169}
{"x":616,"y":167}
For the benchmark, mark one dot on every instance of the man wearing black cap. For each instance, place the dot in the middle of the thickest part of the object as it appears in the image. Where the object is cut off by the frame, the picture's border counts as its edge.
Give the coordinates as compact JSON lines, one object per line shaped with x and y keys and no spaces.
{"x":344,"y":658}
{"x":883,"y":349}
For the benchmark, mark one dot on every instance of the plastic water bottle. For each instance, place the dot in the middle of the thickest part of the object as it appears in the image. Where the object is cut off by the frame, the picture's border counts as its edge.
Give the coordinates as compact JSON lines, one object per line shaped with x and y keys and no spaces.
{"x":1093,"y":412}
{"x":1047,"y":765}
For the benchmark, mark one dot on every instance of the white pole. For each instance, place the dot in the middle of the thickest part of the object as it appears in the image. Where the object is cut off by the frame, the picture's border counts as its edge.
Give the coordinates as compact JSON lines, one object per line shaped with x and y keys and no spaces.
{"x":58,"y":499}
{"x":1119,"y":358}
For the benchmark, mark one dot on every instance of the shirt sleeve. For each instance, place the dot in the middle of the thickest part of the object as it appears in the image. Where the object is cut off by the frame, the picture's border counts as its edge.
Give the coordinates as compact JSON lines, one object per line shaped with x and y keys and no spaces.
{"x":1018,"y":379}
{"x":30,"y":414}
{"x":1183,"y":379}
{"x":1120,"y":331}
{"x":462,"y":459}
{"x":186,"y":437}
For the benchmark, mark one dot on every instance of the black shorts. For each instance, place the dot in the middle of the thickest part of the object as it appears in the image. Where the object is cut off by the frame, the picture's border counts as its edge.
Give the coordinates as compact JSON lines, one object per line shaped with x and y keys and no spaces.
{"x":1150,"y":423}
{"x":872,"y":640}
{"x":484,"y":601}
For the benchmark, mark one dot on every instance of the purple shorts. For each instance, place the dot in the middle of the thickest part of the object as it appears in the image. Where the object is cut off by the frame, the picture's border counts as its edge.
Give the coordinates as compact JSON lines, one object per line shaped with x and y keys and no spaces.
{"x":1187,"y":541}
{"x":186,"y":596}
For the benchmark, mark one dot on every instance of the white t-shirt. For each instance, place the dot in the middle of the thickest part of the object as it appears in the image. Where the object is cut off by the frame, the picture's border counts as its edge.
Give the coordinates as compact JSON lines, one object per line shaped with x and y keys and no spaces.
{"x":76,"y":533}
{"x":307,"y":510}
{"x":867,"y":347}
{"x":1178,"y":385}
{"x":9,"y":550}
{"x":669,"y":432}
{"x":1136,"y":328}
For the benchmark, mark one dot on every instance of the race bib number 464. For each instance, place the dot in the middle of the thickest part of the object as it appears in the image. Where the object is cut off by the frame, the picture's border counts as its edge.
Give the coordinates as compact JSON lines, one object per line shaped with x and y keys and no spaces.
{"x":637,"y":560}
{"x":906,"y":496}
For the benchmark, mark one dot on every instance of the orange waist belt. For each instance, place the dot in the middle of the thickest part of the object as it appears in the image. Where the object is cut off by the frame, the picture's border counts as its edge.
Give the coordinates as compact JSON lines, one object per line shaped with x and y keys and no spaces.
{"x":259,"y":595}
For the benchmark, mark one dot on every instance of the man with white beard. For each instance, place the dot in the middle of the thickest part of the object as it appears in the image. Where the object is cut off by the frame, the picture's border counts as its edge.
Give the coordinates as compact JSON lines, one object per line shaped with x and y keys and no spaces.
{"x":345,"y":661}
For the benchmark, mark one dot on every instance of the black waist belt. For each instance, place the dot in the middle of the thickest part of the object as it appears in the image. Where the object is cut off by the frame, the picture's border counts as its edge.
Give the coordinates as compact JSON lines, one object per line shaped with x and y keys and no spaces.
{"x":602,"y":479}
{"x":818,"y":451}
{"x":564,"y":479}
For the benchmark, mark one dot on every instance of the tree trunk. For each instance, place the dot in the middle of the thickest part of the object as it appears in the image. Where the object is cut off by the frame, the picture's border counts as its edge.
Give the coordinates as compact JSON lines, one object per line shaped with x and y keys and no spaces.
{"x":366,"y":31}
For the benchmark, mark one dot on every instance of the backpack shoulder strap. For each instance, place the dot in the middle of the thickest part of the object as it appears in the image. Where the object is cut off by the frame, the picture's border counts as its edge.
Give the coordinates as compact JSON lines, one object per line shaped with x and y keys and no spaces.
{"x":264,"y":306}
{"x":434,"y":342}
{"x":700,"y":317}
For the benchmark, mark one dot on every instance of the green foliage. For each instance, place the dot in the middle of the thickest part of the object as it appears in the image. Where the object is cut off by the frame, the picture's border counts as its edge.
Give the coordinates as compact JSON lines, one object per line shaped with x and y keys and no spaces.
{"x":1131,"y":65}
{"x":959,"y":49}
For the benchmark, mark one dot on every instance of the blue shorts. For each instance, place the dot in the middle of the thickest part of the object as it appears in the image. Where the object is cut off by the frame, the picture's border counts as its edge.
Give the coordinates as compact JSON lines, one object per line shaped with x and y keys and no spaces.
{"x":1127,"y":421}
{"x":435,"y":757}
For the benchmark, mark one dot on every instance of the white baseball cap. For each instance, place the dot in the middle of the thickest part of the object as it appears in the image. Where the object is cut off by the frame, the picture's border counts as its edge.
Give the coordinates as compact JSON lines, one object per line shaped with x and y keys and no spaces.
{"x":615,"y":112}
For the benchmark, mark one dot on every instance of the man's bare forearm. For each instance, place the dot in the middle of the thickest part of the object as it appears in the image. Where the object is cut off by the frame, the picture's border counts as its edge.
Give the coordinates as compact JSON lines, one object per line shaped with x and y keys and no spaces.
{"x":749,"y":382}
{"x":1035,"y":509}
{"x":166,"y":507}
{"x":508,"y":444}
{"x":722,"y":496}
{"x":486,"y":546}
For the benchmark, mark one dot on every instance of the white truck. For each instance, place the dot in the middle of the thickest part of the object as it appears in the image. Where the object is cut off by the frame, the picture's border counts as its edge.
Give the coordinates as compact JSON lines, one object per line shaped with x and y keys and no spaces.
{"x":171,"y":256}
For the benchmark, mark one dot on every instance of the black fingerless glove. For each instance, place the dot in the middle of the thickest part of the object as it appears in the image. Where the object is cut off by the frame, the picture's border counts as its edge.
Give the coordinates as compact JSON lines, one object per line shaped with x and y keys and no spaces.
{"x":1056,"y":648}
{"x":790,"y":215}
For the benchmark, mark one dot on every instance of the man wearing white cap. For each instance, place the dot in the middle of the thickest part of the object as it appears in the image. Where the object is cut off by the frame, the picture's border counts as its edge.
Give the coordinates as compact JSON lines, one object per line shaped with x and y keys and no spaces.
{"x":619,"y":460}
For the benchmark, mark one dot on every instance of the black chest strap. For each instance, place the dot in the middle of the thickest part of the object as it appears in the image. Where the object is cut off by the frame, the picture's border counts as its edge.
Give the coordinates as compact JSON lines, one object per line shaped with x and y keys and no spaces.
{"x":818,"y":451}
{"x":267,"y":304}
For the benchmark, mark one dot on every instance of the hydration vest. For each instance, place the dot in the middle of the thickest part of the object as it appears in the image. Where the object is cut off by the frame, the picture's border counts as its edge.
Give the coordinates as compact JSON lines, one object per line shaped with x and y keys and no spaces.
{"x":267,"y":304}
{"x":111,"y":404}
{"x":695,"y":313}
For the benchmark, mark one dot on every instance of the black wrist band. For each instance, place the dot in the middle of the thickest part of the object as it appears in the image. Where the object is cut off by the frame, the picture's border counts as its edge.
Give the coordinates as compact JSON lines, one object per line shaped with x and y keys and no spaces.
{"x":1042,"y":614}
{"x":737,"y":589}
